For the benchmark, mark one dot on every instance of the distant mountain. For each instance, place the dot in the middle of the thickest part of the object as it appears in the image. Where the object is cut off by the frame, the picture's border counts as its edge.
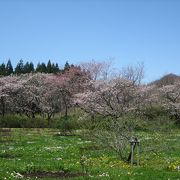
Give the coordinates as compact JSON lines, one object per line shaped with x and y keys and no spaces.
{"x":166,"y":80}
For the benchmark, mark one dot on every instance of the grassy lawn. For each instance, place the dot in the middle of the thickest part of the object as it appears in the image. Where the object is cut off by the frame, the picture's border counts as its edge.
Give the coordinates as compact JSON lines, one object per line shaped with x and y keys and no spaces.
{"x":28,"y":153}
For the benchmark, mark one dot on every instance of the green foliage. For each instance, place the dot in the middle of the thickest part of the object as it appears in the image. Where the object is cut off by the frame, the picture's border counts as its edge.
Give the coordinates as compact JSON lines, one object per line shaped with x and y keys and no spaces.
{"x":56,"y":68}
{"x":28,"y":67}
{"x":67,"y":125}
{"x":49,"y":67}
{"x":41,"y":68}
{"x":2,"y":69}
{"x":9,"y":68}
{"x":155,"y":118}
{"x":22,"y":121}
{"x":52,"y":68}
{"x":19,"y":69}
{"x":154,"y":111}
{"x":66,"y":66}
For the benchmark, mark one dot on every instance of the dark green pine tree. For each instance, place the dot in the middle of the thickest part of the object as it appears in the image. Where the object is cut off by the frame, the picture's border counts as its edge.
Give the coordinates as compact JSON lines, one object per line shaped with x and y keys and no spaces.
{"x":41,"y":68}
{"x":57,"y":68}
{"x":28,"y":67}
{"x":19,"y":67}
{"x":38,"y":67}
{"x":2,"y":69}
{"x":66,"y":66}
{"x":49,"y":67}
{"x":53,"y":68}
{"x":31,"y":67}
{"x":9,"y":68}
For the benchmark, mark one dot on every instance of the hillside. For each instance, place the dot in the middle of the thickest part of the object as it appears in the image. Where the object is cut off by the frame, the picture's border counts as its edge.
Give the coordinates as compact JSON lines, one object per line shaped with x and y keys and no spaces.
{"x":166,"y":80}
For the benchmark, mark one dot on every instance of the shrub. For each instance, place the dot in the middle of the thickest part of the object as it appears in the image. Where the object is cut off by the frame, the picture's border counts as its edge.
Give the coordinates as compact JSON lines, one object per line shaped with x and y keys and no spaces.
{"x":67,"y":125}
{"x":17,"y":121}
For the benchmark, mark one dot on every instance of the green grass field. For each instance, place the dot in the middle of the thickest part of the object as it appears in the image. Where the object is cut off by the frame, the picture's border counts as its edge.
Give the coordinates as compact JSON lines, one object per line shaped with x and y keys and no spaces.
{"x":36,"y":153}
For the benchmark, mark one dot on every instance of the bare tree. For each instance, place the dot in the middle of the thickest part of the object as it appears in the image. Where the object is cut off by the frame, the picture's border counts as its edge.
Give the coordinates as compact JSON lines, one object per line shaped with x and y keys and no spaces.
{"x":134,"y":73}
{"x":97,"y":69}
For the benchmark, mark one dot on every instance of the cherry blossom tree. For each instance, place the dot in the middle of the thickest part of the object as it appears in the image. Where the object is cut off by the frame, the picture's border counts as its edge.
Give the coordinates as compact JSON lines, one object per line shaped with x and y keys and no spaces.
{"x":61,"y":88}
{"x":6,"y":84}
{"x":40,"y":93}
{"x":116,"y":102}
{"x":111,"y":98}
{"x":170,"y":95}
{"x":97,"y":69}
{"x":26,"y":93}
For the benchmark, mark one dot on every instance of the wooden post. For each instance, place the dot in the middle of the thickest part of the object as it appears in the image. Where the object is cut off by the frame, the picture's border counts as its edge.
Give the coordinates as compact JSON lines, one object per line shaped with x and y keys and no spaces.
{"x":133,"y":143}
{"x":132,"y":152}
{"x":137,"y":153}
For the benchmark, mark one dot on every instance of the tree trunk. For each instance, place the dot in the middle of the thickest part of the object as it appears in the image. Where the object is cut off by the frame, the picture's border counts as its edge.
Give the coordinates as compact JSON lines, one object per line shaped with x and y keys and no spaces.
{"x":66,"y":111}
{"x":3,"y":106}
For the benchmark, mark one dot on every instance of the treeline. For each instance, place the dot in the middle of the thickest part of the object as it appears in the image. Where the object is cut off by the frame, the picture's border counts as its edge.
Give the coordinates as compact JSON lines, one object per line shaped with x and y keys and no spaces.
{"x":28,"y":67}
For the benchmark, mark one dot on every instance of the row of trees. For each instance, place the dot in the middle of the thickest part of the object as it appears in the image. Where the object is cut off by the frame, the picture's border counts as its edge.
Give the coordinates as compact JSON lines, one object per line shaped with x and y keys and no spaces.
{"x":115,"y":108}
{"x":103,"y":95}
{"x":28,"y":67}
{"x":110,"y":103}
{"x":40,"y":93}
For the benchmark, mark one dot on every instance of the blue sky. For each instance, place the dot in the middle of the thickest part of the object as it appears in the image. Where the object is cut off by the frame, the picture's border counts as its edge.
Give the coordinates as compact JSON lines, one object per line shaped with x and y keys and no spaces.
{"x":129,"y":31}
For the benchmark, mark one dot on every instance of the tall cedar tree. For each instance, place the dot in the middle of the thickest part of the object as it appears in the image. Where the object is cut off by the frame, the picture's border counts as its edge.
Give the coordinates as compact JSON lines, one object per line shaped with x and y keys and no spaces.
{"x":41,"y":67}
{"x":9,"y":68}
{"x":66,"y":66}
{"x":49,"y":67}
{"x":31,"y":67}
{"x":2,"y":69}
{"x":57,"y":68}
{"x":19,"y":68}
{"x":28,"y":67}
